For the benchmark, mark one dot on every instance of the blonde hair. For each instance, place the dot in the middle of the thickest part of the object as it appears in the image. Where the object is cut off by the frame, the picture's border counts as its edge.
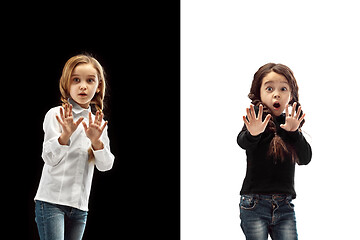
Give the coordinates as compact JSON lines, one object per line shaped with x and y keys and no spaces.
{"x":64,"y":84}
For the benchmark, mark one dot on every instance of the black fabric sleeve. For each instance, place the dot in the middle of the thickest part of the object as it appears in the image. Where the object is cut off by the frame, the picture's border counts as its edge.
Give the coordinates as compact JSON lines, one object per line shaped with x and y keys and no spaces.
{"x":302,"y":147}
{"x":246,"y":141}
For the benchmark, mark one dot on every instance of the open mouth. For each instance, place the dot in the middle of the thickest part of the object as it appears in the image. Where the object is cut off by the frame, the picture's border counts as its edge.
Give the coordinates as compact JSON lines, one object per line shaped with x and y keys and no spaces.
{"x":83,"y":94}
{"x":276,"y":105}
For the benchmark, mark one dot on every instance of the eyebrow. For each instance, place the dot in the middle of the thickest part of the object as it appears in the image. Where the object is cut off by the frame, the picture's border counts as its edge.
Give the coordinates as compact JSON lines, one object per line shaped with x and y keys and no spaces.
{"x":269,"y":82}
{"x":87,"y":75}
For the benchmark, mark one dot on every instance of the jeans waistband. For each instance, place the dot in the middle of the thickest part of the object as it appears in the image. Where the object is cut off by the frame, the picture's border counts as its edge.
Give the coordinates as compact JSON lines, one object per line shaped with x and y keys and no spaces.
{"x":277,"y":197}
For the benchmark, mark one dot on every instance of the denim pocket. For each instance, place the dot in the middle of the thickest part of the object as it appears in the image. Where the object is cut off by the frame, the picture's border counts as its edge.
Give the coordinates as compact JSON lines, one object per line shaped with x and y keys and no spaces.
{"x":248,"y":202}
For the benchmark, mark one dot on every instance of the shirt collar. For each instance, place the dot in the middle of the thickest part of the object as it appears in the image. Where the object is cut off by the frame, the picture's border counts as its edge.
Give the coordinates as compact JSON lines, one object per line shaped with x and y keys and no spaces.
{"x":77,"y":109}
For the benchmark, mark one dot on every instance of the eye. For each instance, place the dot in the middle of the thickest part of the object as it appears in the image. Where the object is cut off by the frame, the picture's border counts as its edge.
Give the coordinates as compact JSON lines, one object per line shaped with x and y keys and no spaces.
{"x":269,"y":89}
{"x":90,"y":80}
{"x":284,"y":89}
{"x":76,"y":80}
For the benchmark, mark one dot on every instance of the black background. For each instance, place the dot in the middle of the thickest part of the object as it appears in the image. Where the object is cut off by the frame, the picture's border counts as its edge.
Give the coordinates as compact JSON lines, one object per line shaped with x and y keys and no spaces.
{"x":139,"y":48}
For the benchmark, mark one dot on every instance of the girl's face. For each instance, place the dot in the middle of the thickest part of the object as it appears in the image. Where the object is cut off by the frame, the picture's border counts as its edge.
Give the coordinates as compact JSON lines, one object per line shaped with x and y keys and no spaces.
{"x":84,"y":84}
{"x":275,"y":92}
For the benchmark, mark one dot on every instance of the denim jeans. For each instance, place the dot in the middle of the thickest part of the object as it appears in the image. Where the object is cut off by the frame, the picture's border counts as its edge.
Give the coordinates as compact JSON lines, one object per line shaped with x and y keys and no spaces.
{"x":58,"y":222}
{"x":268,"y":214}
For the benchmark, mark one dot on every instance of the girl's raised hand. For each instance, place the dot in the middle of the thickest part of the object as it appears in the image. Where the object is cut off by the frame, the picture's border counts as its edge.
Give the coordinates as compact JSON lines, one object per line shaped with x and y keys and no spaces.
{"x":254,"y":124}
{"x":94,"y":130}
{"x":292,"y":122}
{"x":66,"y":121}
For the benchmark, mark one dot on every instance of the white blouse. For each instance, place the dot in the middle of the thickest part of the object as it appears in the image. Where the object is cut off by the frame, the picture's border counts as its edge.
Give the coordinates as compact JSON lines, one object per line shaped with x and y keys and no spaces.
{"x":67,"y":174}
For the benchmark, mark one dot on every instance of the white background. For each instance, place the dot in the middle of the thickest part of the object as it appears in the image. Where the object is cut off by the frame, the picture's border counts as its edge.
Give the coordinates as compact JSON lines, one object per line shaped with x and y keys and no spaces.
{"x":223,"y":43}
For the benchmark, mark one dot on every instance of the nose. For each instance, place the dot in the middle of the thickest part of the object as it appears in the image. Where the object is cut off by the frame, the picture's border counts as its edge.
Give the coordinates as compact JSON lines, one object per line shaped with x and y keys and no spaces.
{"x":276,"y":95}
{"x":83,"y":86}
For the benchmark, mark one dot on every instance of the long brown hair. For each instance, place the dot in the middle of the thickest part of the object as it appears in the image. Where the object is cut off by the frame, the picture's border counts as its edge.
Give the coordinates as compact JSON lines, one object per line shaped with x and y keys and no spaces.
{"x":278,"y":149}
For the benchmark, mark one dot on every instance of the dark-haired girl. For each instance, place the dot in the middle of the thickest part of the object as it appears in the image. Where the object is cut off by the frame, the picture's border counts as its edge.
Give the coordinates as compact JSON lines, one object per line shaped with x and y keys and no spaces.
{"x":274,"y":143}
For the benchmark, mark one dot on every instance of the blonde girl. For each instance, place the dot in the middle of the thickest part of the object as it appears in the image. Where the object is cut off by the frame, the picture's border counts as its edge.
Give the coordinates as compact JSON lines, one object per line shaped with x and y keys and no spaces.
{"x":70,"y":151}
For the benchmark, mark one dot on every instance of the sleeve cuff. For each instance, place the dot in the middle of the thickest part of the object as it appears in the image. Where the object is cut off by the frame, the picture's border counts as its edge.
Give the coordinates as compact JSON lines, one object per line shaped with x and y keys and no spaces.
{"x":103,"y":160}
{"x":294,"y":136}
{"x":252,"y":138}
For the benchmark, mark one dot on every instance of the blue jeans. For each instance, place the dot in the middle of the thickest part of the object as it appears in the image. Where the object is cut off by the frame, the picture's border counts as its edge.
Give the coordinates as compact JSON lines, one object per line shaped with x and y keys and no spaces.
{"x":58,"y":222}
{"x":268,"y":214}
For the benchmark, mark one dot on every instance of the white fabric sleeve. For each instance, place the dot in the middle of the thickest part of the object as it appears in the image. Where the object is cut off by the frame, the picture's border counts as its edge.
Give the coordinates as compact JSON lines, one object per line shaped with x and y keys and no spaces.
{"x":104,"y":159}
{"x":53,"y":152}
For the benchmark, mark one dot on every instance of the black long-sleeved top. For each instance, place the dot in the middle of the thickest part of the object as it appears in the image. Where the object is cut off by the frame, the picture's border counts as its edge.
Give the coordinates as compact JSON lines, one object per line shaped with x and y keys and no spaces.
{"x":265,"y":175}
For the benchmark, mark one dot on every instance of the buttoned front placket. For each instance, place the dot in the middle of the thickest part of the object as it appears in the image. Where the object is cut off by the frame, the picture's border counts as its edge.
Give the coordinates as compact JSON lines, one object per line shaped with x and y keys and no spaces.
{"x":84,"y":145}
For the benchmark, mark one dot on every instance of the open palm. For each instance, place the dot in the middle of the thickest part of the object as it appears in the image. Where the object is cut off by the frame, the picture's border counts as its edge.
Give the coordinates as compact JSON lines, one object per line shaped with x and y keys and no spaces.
{"x":254,"y":124}
{"x":66,"y":120}
{"x":292,"y":122}
{"x":94,"y":130}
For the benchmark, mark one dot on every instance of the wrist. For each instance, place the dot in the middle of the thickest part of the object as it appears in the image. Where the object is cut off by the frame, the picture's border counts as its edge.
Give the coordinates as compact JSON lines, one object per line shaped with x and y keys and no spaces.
{"x":64,"y":139}
{"x":255,"y":134}
{"x":97,"y":144}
